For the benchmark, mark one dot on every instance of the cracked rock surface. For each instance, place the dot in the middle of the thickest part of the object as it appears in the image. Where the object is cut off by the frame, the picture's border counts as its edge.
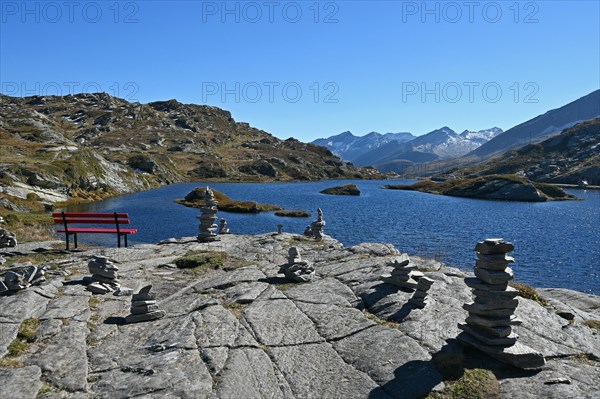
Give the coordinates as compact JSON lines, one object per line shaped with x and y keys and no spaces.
{"x":243,"y":331}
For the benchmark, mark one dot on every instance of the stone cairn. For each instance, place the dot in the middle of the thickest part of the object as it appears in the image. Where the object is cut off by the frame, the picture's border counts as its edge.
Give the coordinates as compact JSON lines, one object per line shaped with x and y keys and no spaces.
{"x":315,"y":229}
{"x":223,"y":227}
{"x":19,"y":280}
{"x":208,"y":217}
{"x":491,"y":315}
{"x":404,"y":274}
{"x":7,"y":239}
{"x":419,"y":298}
{"x":105,"y":275}
{"x":279,"y":229}
{"x":297,"y":269}
{"x":144,"y":307}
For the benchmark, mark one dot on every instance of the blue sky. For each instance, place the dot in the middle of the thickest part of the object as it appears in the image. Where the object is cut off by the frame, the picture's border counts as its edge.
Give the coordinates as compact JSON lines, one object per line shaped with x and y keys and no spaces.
{"x":312,"y":69}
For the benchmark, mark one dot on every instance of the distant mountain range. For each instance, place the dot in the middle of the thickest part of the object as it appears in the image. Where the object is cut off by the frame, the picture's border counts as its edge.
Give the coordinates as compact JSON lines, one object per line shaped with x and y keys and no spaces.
{"x":350,"y":147}
{"x":443,"y":149}
{"x":385,"y":151}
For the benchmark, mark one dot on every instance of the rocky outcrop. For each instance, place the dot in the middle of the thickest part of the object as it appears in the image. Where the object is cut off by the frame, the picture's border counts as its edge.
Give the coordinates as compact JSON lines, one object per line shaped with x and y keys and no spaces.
{"x":495,"y":187}
{"x":72,"y":145}
{"x":348,"y":189}
{"x":243,"y":331}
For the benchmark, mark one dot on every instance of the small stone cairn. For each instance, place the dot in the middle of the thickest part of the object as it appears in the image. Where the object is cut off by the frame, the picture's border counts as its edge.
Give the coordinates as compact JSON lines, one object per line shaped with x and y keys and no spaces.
{"x":491,"y":315}
{"x":315,"y":229}
{"x":19,"y":280}
{"x":105,"y":275}
{"x":297,"y":269}
{"x":404,"y":274}
{"x":7,"y":239}
{"x":208,"y":217}
{"x":144,"y":307}
{"x":279,"y":229}
{"x":419,"y":298}
{"x":223,"y":227}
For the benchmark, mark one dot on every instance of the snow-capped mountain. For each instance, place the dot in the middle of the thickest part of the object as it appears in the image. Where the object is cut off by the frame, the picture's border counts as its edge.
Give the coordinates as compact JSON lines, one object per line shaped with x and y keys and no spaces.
{"x":378,"y":149}
{"x":349,"y":147}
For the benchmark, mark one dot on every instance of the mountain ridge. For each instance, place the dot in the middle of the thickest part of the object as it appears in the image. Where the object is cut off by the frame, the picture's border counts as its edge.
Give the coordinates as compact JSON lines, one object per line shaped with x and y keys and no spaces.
{"x":95,"y":145}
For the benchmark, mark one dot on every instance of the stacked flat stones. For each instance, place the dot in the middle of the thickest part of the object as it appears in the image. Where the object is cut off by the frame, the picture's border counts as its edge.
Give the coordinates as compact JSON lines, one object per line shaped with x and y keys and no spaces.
{"x":315,"y":229}
{"x":105,"y":275}
{"x":144,"y":307}
{"x":15,"y":280}
{"x":223,"y":227}
{"x":297,"y":269}
{"x":419,"y":298}
{"x":208,"y":217}
{"x":491,"y":315}
{"x":7,"y":239}
{"x":404,"y":274}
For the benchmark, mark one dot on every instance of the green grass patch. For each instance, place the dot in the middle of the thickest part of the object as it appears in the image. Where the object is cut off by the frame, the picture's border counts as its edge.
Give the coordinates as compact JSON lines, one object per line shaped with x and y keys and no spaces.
{"x":26,"y":335}
{"x":473,"y":384}
{"x":527,"y":291}
{"x":201,"y":261}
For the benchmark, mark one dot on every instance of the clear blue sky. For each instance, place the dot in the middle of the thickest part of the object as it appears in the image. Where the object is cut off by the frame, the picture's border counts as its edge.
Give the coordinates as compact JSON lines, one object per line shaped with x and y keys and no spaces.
{"x":361,"y":66}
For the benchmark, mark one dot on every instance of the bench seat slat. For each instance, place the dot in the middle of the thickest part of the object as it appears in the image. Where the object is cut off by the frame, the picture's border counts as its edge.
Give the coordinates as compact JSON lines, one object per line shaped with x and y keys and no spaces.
{"x":91,"y":221}
{"x":98,"y":230}
{"x":90,"y":215}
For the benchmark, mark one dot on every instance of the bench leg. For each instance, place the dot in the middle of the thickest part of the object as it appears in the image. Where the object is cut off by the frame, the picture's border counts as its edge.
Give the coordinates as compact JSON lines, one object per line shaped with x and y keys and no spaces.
{"x":118,"y":240}
{"x":75,"y":239}
{"x":125,"y":240}
{"x":67,"y":239}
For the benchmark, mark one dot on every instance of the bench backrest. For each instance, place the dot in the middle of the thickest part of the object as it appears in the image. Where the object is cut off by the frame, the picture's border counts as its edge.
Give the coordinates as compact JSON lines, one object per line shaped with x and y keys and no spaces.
{"x":66,"y":218}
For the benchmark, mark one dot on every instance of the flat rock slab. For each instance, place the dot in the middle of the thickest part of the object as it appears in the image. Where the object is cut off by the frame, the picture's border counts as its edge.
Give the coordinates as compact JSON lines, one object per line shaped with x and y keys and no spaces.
{"x":327,"y":291}
{"x":64,"y":359}
{"x":317,"y":371}
{"x":245,"y":292}
{"x":25,"y":304}
{"x":249,"y":373}
{"x":280,"y":322}
{"x":218,"y":327}
{"x":227,"y":279}
{"x":176,"y":372}
{"x":68,"y":307}
{"x":22,"y":383}
{"x":395,"y":361}
{"x":335,"y":322}
{"x":8,"y":332}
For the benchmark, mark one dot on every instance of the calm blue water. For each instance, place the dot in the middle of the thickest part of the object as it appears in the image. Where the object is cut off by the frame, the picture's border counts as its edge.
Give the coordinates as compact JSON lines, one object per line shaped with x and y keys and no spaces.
{"x":557,"y":243}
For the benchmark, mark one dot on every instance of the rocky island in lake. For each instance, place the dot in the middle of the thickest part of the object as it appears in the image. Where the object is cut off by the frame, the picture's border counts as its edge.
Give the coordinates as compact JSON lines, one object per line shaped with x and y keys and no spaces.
{"x":196,"y":199}
{"x":348,"y":189}
{"x":494,"y":187}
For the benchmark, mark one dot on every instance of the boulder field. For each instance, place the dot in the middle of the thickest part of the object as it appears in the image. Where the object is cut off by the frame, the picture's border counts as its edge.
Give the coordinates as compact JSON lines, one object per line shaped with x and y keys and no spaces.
{"x":238,"y":329}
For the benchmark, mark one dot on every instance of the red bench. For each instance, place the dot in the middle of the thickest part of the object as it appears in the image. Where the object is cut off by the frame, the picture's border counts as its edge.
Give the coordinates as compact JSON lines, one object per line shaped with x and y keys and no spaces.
{"x":73,"y":218}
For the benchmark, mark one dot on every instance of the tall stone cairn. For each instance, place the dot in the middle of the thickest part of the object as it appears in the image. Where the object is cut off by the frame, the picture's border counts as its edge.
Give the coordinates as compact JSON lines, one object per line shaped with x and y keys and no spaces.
{"x":208,"y":217}
{"x":491,"y":314}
